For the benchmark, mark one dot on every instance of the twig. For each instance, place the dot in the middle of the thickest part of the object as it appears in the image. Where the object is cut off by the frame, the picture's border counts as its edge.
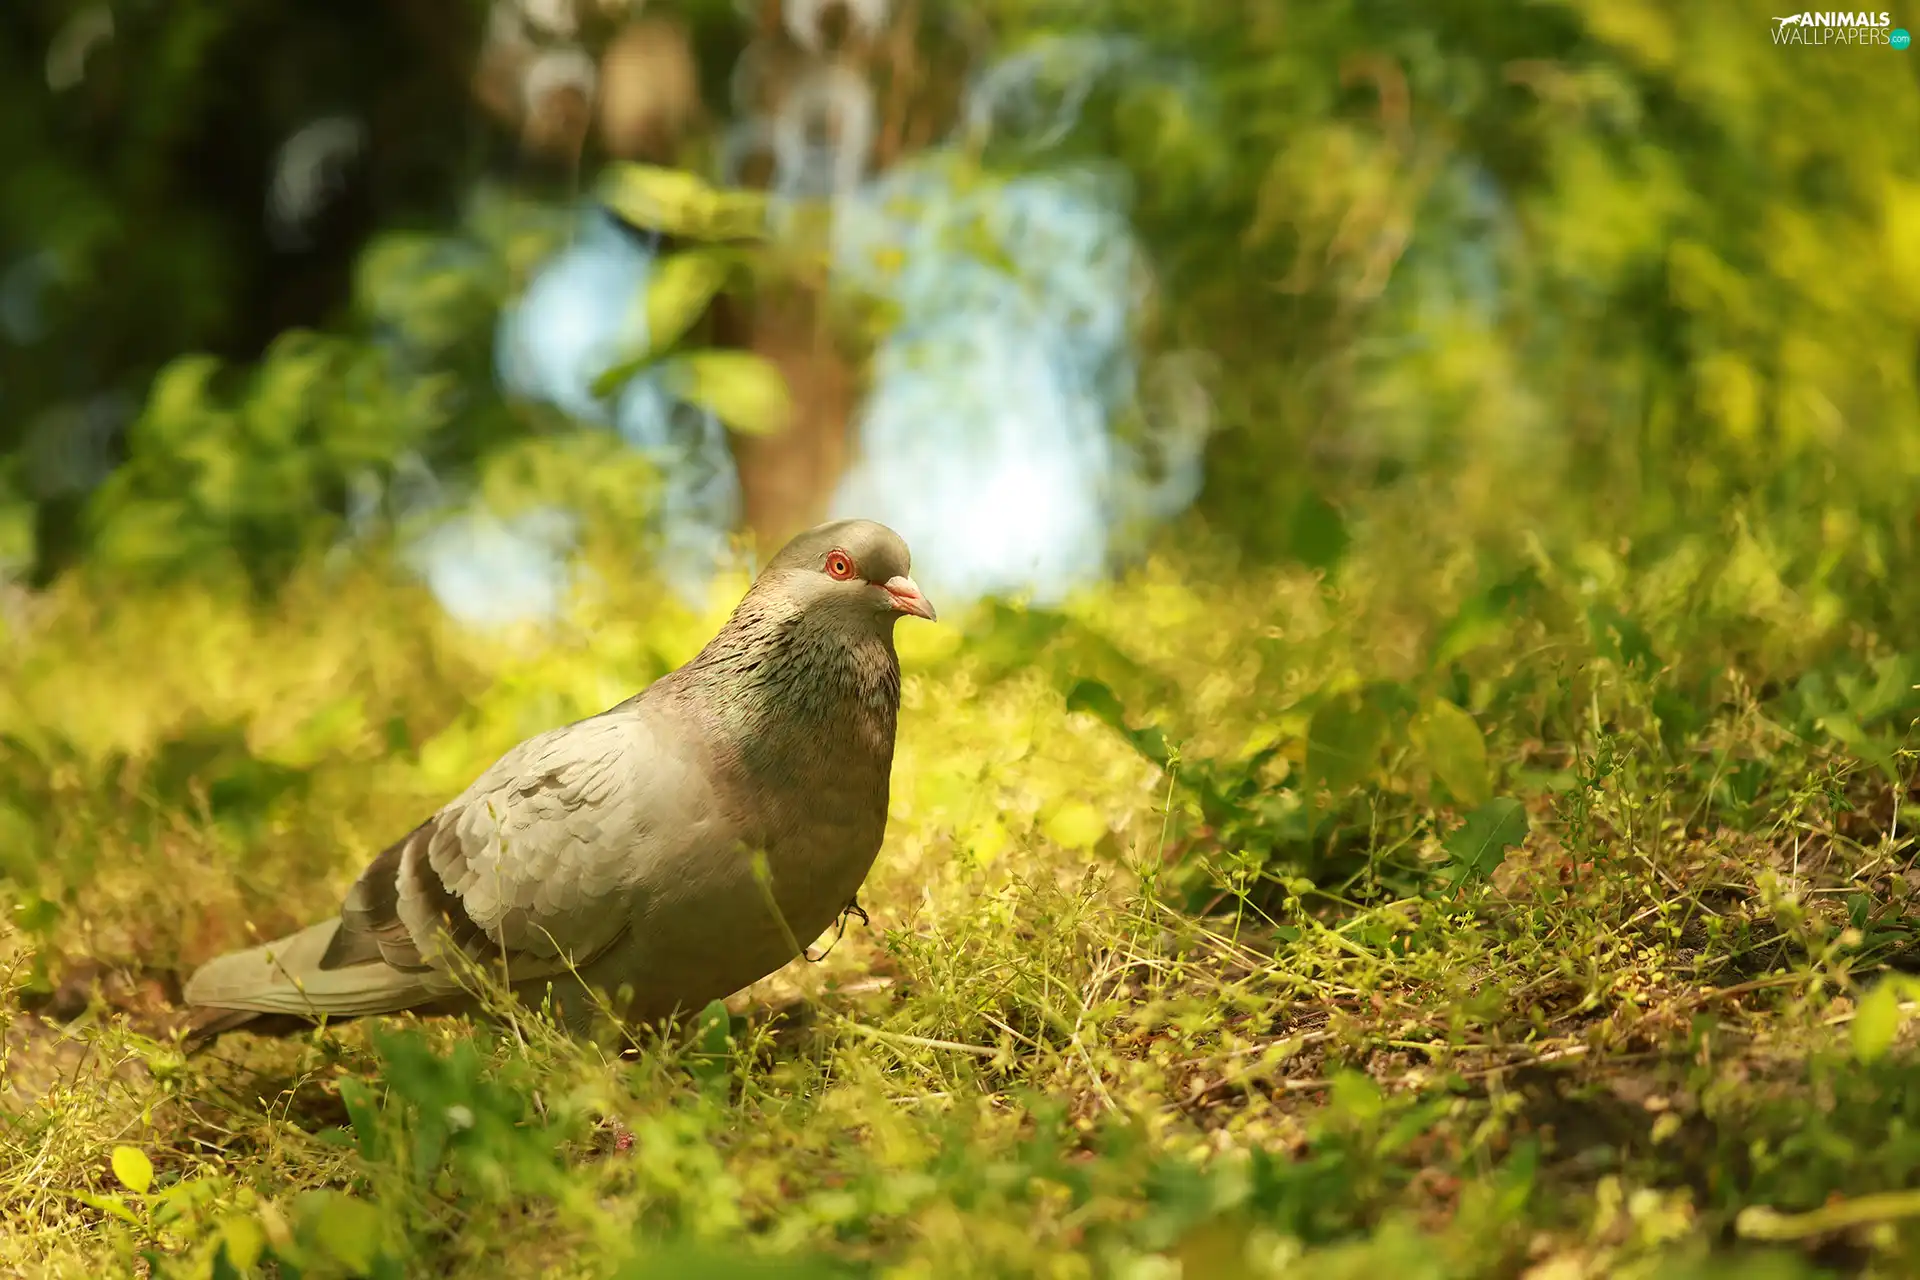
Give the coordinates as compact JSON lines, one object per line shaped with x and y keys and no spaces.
{"x":1758,"y":1222}
{"x":921,"y":1042}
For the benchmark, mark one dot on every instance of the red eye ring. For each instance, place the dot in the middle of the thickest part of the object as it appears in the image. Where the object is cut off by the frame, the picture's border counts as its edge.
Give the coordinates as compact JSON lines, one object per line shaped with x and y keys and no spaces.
{"x":840,"y":566}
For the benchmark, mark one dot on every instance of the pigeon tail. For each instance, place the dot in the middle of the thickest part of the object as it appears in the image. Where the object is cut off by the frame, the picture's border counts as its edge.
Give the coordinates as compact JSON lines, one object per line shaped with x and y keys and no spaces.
{"x":285,"y":977}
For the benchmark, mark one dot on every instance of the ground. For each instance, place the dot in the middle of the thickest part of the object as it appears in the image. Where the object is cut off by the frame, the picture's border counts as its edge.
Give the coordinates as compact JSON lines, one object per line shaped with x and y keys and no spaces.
{"x":1475,"y":905}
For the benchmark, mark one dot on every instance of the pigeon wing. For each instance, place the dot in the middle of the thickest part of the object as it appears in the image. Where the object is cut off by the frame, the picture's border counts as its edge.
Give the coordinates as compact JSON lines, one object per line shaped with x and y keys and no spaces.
{"x":535,"y":865}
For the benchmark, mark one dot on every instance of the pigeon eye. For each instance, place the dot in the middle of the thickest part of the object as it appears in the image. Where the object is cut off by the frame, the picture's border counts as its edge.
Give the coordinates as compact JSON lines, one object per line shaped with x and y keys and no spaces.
{"x":839,"y":566}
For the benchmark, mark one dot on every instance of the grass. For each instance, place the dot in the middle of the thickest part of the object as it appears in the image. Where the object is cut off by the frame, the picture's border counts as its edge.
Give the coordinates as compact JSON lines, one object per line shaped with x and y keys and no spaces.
{"x":1180,"y":962}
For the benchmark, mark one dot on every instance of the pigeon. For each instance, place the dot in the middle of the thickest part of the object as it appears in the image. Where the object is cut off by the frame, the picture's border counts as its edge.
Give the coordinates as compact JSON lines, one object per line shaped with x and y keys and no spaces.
{"x":644,"y":861}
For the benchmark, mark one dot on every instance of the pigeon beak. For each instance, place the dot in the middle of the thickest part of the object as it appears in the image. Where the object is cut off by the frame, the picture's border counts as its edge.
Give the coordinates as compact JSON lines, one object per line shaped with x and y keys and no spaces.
{"x":906,"y":597}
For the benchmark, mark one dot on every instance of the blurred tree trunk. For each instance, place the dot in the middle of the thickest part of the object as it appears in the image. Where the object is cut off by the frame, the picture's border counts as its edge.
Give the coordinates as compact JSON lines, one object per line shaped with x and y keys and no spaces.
{"x":787,"y":480}
{"x":915,"y":76}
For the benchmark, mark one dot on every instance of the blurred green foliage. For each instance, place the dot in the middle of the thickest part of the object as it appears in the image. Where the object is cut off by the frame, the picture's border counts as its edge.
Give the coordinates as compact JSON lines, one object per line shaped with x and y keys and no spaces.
{"x":136,"y":160}
{"x":1645,"y":248}
{"x":237,"y":468}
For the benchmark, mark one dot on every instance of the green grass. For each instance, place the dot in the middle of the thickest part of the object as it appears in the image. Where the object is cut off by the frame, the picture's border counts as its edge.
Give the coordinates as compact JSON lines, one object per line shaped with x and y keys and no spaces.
{"x":1262,"y":1011}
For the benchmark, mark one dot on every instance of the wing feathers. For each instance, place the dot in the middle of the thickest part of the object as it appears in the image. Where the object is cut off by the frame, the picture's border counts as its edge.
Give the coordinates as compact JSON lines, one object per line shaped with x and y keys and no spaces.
{"x":536,"y":865}
{"x":286,"y":977}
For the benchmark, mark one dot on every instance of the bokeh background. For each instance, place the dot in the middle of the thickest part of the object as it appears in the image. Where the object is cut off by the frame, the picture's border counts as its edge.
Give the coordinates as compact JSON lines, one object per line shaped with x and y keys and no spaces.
{"x":1040,"y":281}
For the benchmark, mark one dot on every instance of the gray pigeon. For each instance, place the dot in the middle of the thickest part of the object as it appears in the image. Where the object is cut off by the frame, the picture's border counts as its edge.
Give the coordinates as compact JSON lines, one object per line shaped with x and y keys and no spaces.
{"x":677,"y":847}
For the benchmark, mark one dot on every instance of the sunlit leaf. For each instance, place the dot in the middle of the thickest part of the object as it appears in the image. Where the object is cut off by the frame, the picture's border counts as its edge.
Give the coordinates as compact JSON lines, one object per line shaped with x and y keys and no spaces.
{"x":677,"y":203}
{"x":743,"y":390}
{"x":1075,"y":825}
{"x":135,"y":1171}
{"x":681,"y":289}
{"x":113,"y":1205}
{"x":181,"y":1198}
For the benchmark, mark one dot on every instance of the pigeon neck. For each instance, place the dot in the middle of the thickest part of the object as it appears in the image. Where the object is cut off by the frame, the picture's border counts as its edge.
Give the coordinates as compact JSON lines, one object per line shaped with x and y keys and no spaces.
{"x":782,"y":674}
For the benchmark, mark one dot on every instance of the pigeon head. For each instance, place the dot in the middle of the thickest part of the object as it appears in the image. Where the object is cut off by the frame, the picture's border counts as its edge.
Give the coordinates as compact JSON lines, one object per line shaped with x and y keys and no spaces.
{"x":856,"y":569}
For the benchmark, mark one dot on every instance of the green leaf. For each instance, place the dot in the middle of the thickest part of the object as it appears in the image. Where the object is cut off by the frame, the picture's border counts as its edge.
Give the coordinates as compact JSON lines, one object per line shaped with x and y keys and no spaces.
{"x":1344,"y":739}
{"x":347,"y":1229}
{"x":676,"y":203}
{"x":1355,"y":1095}
{"x":1317,"y":533}
{"x":35,"y":914}
{"x":180,"y":1199}
{"x":135,"y":1171}
{"x":107,"y":1204}
{"x":716,"y":1026}
{"x":1482,"y":842}
{"x":1100,"y":702}
{"x":1456,"y":751}
{"x":1876,"y":1021}
{"x":743,"y":390}
{"x":712,"y":1040}
{"x":178,"y":400}
{"x":1865,"y":746}
{"x":363,"y":1115}
{"x":682,"y":288}
{"x":1484,"y":618}
{"x":621,"y":372}
{"x":242,"y":1241}
{"x":1620,"y":637}
{"x":1075,"y":825}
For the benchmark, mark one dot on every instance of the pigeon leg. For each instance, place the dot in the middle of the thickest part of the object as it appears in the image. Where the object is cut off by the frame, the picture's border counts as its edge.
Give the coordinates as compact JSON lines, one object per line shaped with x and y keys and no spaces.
{"x":853,"y":908}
